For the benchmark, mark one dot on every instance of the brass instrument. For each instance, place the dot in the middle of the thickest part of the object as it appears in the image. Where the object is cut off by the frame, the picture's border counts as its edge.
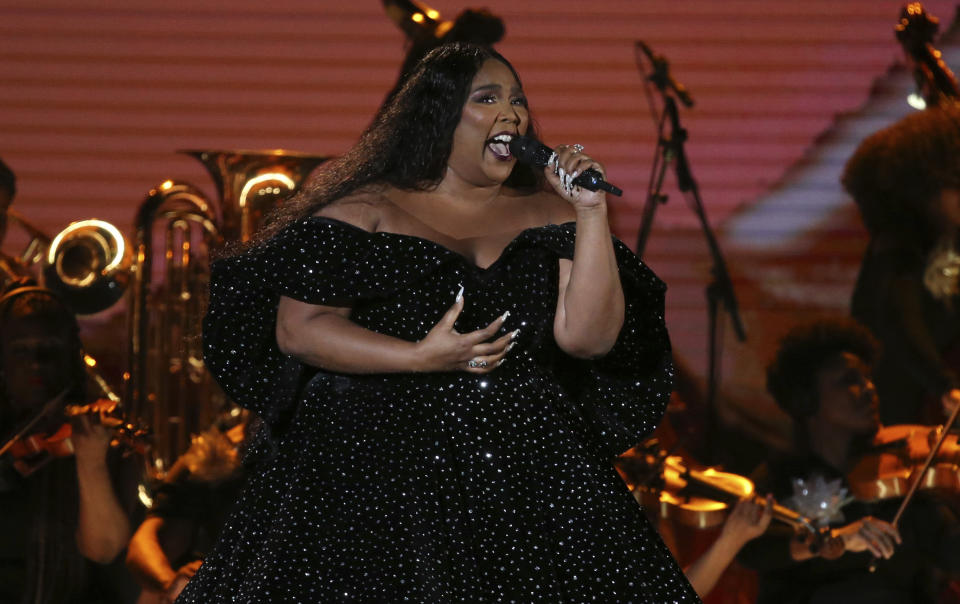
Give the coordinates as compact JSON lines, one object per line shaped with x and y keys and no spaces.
{"x":41,"y":250}
{"x":22,"y":265}
{"x":252,"y":182}
{"x":167,"y":382}
{"x":88,"y":263}
{"x":91,"y":265}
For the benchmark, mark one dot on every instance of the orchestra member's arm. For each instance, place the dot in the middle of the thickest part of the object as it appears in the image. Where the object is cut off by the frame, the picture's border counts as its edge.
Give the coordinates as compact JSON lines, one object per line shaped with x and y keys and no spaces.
{"x":102,"y":525}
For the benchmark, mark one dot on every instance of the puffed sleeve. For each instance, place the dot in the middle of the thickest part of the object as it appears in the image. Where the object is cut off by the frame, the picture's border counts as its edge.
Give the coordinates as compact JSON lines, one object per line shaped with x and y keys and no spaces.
{"x":623,"y":395}
{"x":315,"y":260}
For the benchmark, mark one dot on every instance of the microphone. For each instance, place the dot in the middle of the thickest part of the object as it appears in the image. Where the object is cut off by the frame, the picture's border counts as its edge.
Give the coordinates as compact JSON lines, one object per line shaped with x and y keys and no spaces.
{"x":661,"y":74}
{"x":531,"y":151}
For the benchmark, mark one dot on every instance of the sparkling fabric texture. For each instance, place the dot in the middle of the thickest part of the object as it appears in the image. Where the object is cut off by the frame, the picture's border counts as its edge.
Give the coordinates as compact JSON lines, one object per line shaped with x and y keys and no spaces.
{"x":442,"y":487}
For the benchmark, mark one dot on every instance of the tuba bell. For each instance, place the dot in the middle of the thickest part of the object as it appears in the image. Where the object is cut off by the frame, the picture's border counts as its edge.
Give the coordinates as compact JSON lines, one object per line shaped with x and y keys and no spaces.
{"x":251,"y":183}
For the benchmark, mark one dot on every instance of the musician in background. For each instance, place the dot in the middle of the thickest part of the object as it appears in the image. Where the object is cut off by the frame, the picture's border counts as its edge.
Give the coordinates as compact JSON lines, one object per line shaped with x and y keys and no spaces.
{"x":821,"y":377}
{"x":474,"y":26}
{"x":65,"y":520}
{"x":906,"y":182}
{"x":8,"y":188}
{"x":190,"y":508}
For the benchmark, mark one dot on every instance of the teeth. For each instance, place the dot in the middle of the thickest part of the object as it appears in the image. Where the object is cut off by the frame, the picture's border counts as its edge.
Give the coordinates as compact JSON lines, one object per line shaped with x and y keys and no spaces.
{"x":505,"y":138}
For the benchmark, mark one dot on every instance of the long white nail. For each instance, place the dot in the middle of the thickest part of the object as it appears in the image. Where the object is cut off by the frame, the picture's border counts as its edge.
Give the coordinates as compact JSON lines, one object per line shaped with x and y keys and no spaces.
{"x":460,"y":294}
{"x":510,"y":345}
{"x":515,"y":333}
{"x":504,"y":316}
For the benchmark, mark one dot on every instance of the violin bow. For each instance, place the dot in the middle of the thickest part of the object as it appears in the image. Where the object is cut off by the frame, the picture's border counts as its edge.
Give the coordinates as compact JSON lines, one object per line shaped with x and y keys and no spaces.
{"x":917,"y":476}
{"x":47,"y":408}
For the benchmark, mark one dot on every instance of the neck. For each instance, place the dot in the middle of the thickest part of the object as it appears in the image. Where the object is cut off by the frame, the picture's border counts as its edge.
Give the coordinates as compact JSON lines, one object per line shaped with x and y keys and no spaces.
{"x":833,"y":445}
{"x":474,"y":196}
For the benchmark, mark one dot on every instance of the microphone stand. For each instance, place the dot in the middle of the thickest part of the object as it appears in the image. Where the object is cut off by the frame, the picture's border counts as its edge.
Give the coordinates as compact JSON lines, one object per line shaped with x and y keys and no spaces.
{"x":662,"y":157}
{"x":671,"y":150}
{"x":720,"y":290}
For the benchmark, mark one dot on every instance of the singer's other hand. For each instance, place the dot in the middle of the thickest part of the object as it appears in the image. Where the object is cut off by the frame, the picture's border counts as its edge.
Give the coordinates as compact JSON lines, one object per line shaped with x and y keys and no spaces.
{"x":570,"y":162}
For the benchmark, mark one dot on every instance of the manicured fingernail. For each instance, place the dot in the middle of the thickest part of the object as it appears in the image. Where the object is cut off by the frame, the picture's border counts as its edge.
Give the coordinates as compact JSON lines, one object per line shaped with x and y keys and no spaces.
{"x":515,"y":333}
{"x":460,"y":294}
{"x":504,"y":316}
{"x":575,"y":174}
{"x":500,"y":362}
{"x":510,"y":345}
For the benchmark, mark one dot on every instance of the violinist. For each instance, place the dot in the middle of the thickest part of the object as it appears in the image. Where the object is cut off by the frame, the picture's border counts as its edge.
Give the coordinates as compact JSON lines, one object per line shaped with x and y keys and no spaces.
{"x":64,"y":522}
{"x":905,"y":180}
{"x":821,"y":376}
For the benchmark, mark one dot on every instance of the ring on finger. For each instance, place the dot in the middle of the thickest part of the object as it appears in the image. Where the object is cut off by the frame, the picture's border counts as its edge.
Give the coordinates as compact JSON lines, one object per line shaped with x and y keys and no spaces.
{"x":475,"y":363}
{"x":577,"y":147}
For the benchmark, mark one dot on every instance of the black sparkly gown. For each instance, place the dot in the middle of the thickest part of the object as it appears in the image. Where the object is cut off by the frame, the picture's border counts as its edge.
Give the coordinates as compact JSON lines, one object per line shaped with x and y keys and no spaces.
{"x":440,"y":487}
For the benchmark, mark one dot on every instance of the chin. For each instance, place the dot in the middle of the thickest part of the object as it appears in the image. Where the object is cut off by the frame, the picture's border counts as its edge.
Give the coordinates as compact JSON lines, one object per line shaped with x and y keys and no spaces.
{"x":871,"y":428}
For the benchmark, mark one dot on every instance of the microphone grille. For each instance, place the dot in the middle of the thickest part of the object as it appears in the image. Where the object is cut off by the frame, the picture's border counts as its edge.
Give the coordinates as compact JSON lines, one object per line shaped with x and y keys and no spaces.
{"x":525,"y":150}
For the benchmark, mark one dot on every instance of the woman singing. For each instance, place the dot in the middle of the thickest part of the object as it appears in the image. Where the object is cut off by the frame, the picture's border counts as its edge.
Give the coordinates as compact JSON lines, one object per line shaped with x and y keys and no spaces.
{"x":448,"y":350}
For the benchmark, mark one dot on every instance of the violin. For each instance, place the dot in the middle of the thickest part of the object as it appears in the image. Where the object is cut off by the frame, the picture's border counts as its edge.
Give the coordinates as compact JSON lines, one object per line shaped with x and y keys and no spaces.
{"x":919,"y":475}
{"x":692,"y":497}
{"x":32,"y":447}
{"x":899,"y":451}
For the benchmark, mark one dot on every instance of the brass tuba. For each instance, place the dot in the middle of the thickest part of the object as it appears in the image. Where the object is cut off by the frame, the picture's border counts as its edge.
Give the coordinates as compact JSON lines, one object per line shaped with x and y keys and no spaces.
{"x":166,"y":271}
{"x":167,"y":382}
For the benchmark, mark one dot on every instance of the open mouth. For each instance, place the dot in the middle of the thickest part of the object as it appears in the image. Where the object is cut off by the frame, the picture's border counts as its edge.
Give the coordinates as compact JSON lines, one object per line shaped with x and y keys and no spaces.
{"x":499,"y":146}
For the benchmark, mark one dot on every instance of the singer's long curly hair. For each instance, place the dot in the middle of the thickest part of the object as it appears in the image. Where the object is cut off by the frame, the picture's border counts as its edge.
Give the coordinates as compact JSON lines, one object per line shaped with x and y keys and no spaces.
{"x":408,"y":143}
{"x":896,"y":175}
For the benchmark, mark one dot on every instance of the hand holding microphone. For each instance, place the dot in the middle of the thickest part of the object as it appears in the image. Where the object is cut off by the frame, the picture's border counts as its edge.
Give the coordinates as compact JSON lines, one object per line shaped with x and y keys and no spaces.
{"x":531,"y":151}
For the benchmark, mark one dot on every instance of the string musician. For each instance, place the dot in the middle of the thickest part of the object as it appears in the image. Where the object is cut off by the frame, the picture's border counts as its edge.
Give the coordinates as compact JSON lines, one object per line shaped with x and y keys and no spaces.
{"x":67,"y":498}
{"x":905,"y":180}
{"x":821,"y":376}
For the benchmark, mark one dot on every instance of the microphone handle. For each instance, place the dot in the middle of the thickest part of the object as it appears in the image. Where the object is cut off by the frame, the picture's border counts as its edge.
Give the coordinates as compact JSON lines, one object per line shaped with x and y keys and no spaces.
{"x":591,"y":180}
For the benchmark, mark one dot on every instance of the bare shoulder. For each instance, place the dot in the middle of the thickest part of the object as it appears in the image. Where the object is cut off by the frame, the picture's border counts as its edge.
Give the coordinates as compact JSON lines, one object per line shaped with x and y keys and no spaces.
{"x":546,"y":207}
{"x":362,"y":208}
